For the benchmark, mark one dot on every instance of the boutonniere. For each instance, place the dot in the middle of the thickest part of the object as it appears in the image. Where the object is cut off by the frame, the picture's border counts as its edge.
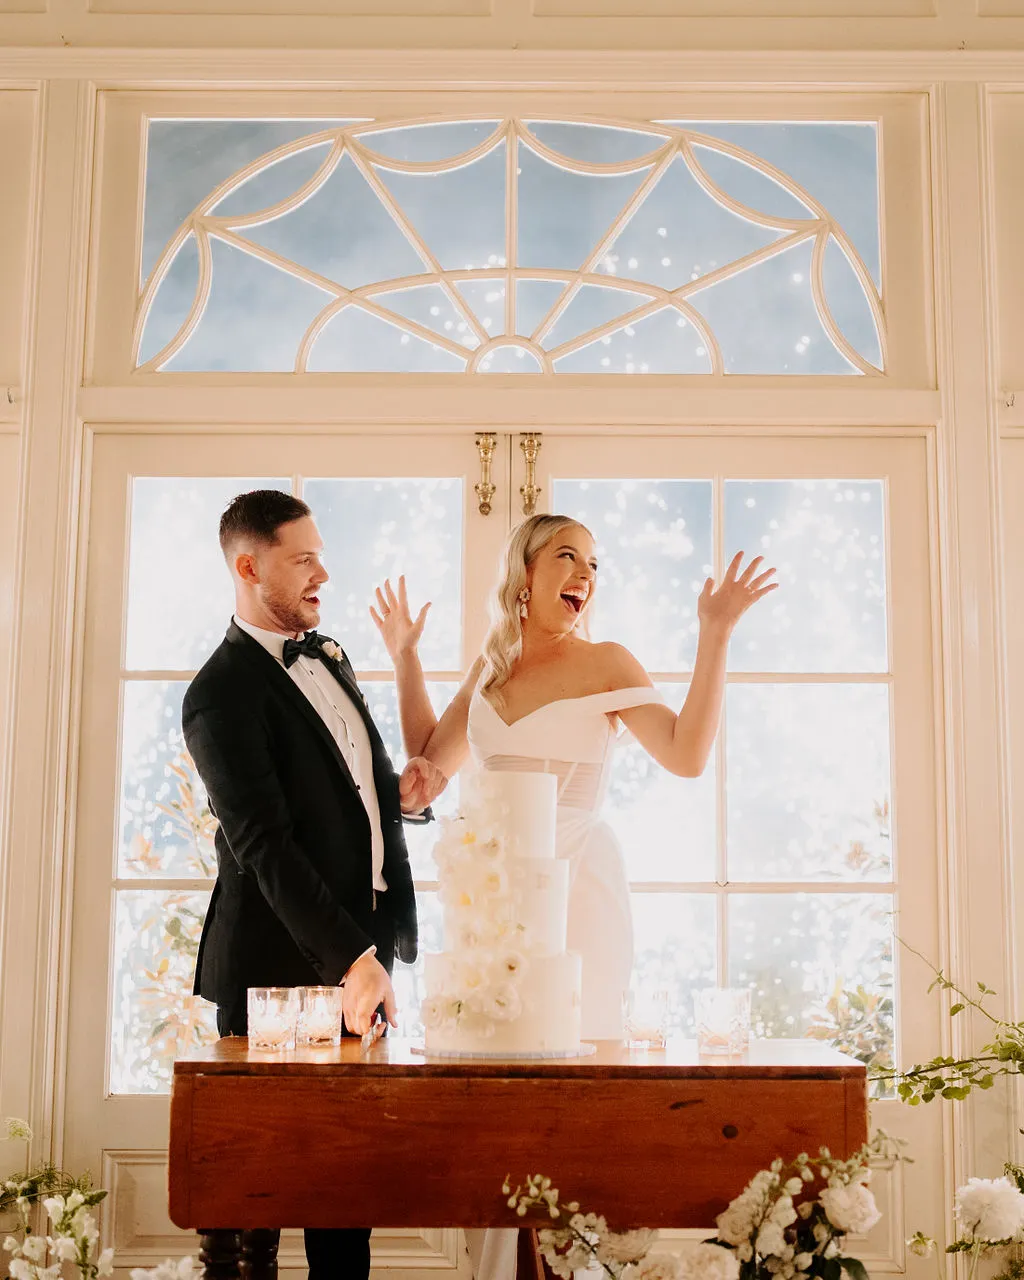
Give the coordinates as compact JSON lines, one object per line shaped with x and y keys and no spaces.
{"x":333,"y":651}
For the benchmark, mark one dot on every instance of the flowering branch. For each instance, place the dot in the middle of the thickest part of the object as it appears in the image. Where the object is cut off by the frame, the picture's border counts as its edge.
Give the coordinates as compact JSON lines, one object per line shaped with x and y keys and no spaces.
{"x":763,"y":1234}
{"x":955,"y":1078}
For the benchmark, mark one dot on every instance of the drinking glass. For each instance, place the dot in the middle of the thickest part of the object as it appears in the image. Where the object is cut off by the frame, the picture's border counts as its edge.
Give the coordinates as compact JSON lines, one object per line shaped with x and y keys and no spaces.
{"x":723,"y":1020}
{"x":273,"y":1012}
{"x":319,"y":1015}
{"x":645,"y":1015}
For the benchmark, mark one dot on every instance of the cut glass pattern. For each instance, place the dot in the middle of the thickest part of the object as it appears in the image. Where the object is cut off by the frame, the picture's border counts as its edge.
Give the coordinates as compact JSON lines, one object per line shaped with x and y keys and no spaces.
{"x":598,"y":246}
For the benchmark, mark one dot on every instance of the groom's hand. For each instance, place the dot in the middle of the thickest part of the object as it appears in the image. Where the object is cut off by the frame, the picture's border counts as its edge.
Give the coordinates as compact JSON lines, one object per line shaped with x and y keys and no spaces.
{"x":420,"y":784}
{"x":367,"y":986}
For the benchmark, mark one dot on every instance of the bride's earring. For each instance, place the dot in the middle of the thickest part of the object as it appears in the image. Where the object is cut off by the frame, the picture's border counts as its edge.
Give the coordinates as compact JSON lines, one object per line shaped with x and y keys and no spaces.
{"x":524,"y":597}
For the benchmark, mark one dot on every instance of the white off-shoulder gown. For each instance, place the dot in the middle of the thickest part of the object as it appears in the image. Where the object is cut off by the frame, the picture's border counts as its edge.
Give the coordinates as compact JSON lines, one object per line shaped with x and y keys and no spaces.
{"x":572,"y":738}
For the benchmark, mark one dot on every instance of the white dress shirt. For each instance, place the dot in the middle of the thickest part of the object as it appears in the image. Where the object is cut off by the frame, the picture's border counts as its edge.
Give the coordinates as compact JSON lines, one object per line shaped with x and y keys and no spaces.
{"x":339,"y":713}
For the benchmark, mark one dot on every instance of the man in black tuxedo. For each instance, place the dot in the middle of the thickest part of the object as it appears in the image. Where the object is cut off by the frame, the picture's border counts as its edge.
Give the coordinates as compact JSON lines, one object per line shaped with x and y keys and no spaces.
{"x":313,"y":882}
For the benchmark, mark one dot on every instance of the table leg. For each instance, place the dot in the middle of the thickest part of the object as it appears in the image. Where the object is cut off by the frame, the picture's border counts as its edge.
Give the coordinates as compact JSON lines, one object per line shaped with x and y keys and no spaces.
{"x":259,"y":1254}
{"x":529,"y":1259}
{"x":220,"y":1252}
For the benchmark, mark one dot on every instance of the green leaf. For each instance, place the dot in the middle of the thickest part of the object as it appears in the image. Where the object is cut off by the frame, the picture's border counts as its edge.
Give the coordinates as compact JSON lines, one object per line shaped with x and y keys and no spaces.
{"x":959,"y":1007}
{"x":853,"y":1268}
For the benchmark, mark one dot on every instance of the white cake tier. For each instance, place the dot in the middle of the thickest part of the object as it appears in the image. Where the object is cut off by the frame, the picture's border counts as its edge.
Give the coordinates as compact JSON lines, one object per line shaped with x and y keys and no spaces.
{"x":530,"y":803}
{"x":538,"y":900}
{"x":550,"y":991}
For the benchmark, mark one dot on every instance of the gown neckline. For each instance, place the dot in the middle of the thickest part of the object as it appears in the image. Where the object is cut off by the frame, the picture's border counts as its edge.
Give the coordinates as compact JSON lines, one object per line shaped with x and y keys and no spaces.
{"x":578,"y":697}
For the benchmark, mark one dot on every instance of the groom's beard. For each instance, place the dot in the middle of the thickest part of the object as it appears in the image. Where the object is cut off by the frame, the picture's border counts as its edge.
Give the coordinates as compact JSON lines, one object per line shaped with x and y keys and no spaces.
{"x":290,"y":617}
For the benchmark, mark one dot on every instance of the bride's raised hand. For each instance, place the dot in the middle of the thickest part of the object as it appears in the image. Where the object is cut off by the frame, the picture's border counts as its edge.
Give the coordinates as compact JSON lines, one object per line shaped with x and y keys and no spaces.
{"x":724,"y":605}
{"x":400,"y":631}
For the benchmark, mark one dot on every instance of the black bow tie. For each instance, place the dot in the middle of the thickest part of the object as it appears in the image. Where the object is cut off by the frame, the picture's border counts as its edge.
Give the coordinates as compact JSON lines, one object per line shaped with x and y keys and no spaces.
{"x":309,"y":646}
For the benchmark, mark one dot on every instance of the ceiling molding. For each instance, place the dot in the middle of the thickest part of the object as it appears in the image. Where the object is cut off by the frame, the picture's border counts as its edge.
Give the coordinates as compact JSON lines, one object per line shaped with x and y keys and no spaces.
{"x":405,"y":70}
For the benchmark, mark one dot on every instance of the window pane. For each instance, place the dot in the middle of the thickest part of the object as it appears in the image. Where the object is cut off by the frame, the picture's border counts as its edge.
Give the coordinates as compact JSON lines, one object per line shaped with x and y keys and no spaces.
{"x":155,"y":1016}
{"x":166,"y":825}
{"x":383,"y":700}
{"x":408,"y":979}
{"x":826,"y":538}
{"x":819,"y":965}
{"x":666,"y":825}
{"x":808,"y":782}
{"x":180,"y":597}
{"x":380,"y":528}
{"x":188,"y":159}
{"x":702,"y":240}
{"x":674,"y":947}
{"x":654,"y":550}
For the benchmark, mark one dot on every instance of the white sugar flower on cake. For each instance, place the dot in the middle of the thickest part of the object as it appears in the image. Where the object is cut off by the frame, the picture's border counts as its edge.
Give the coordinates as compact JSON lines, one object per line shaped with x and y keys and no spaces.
{"x":480,"y":908}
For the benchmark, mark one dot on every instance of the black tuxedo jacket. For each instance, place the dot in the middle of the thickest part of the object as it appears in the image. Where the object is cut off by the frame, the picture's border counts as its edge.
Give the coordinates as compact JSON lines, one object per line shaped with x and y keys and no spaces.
{"x":293,"y":902}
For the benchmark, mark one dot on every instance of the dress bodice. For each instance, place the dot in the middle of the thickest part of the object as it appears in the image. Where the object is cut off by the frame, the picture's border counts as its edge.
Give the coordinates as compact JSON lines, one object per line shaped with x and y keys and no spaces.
{"x":570,"y":737}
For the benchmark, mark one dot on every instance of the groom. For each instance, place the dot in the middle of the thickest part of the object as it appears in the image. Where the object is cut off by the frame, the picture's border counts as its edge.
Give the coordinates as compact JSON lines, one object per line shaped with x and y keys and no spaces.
{"x":313,"y":883}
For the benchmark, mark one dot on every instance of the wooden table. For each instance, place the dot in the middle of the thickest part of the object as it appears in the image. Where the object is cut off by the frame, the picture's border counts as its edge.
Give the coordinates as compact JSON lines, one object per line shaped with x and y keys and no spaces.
{"x":341,"y":1137}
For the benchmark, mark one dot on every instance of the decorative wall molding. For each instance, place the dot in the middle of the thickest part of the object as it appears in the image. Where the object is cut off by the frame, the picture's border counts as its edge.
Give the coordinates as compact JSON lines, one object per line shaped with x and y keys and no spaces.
{"x":498,"y":70}
{"x":135,"y":1223}
{"x":801,"y":9}
{"x":319,"y":405}
{"x":301,"y":9}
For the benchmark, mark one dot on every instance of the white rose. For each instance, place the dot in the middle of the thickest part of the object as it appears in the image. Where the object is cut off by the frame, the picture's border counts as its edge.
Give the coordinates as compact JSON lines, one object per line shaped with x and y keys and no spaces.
{"x":504,"y":1003}
{"x":512,"y":963}
{"x":850,"y":1208}
{"x":711,"y":1262}
{"x":990,"y":1209}
{"x":803,"y":1261}
{"x":21,"y":1269}
{"x":332,"y":650}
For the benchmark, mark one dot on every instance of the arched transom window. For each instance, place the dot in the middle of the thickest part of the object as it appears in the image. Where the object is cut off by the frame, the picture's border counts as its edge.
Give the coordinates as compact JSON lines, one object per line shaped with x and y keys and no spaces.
{"x":513,"y":245}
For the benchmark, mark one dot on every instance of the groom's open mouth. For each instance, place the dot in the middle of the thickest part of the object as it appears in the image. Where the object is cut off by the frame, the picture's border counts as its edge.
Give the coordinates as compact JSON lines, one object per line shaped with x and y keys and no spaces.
{"x":314,"y":600}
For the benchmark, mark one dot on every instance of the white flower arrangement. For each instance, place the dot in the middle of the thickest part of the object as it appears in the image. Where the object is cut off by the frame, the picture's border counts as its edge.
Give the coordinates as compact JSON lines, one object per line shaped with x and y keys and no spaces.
{"x":333,"y":650}
{"x":480,"y":910}
{"x":777,"y":1228}
{"x":72,"y":1236}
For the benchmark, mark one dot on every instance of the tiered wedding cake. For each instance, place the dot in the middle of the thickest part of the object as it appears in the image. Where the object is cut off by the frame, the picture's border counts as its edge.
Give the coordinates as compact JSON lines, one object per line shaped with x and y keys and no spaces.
{"x":504,"y":984}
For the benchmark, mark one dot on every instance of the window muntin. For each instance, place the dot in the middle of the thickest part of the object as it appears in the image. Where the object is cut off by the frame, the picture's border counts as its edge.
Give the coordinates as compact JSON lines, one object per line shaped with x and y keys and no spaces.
{"x":404,"y":247}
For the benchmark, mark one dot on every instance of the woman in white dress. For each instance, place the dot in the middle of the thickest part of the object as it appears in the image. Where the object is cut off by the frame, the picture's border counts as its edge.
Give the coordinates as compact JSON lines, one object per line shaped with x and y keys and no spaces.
{"x":544,"y":698}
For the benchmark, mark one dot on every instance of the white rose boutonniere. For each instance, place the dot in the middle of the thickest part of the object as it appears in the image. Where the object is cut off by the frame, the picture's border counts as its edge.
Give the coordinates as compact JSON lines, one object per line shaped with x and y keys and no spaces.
{"x":333,"y":651}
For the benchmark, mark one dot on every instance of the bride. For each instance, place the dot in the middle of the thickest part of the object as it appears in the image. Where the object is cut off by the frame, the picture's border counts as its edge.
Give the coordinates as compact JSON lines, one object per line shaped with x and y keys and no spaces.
{"x":544,"y":698}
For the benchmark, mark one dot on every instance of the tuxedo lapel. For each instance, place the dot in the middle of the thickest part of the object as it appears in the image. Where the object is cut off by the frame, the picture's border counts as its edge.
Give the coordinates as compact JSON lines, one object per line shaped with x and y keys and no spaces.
{"x":290,"y":691}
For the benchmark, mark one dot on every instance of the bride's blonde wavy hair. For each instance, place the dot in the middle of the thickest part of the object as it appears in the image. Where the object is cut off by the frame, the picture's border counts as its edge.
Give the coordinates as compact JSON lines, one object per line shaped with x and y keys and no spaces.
{"x":504,"y":642}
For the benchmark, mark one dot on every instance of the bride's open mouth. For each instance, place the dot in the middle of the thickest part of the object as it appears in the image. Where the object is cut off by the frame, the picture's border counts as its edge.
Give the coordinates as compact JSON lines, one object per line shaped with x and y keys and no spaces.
{"x":574,"y":602}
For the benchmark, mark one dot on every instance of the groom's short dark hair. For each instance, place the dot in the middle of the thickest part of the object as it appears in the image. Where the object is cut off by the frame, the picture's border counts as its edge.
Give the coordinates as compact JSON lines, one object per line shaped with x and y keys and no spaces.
{"x":256,"y":517}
